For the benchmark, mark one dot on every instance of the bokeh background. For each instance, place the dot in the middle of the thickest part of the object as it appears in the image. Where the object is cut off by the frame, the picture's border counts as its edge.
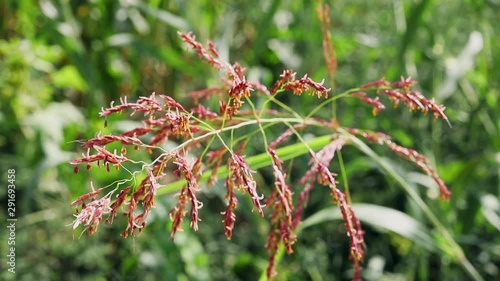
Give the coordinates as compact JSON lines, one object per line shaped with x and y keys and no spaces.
{"x":61,"y":61}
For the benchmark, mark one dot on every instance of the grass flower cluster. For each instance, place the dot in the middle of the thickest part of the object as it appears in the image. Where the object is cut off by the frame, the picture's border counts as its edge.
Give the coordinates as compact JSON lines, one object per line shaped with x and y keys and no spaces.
{"x":212,"y":144}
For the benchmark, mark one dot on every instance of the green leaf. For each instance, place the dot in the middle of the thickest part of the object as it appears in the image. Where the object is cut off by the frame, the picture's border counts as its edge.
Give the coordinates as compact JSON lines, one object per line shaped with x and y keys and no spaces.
{"x":382,"y":218}
{"x":491,"y":209}
{"x":69,"y":77}
{"x":194,"y":256}
{"x":164,"y":16}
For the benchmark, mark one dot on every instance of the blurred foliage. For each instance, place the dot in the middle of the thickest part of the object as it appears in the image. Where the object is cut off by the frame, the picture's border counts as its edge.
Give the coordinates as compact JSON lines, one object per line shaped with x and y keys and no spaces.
{"x":61,"y":61}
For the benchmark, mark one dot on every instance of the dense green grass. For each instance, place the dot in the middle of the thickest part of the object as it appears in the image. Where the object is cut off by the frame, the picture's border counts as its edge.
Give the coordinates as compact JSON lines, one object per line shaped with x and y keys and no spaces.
{"x":61,"y":61}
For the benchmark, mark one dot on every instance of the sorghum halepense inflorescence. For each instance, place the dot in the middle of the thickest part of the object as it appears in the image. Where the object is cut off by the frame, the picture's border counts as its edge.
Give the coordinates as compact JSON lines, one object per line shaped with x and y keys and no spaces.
{"x":196,"y":130}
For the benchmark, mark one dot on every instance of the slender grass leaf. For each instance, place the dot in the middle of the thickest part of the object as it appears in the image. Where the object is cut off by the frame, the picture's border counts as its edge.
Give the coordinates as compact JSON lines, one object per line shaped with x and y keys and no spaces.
{"x":383,"y":218}
{"x":491,"y":210}
{"x":164,"y":16}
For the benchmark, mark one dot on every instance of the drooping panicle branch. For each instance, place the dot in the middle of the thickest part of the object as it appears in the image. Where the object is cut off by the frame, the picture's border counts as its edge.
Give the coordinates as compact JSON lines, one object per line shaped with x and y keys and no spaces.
{"x":407,"y":153}
{"x":192,"y":173}
{"x":400,"y":92}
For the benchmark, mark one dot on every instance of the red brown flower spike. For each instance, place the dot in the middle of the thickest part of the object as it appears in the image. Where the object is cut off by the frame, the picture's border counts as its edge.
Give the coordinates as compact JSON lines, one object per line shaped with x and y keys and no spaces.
{"x":187,"y":195}
{"x":288,"y":82}
{"x":229,"y":215}
{"x":401,"y":92}
{"x":240,"y":178}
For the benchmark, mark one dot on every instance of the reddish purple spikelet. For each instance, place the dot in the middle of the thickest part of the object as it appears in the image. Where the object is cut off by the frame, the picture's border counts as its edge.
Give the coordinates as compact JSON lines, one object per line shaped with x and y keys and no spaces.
{"x":210,"y":56}
{"x":192,"y":173}
{"x":400,"y":91}
{"x":101,"y":140}
{"x":286,"y":76}
{"x":120,"y":199}
{"x":323,"y":12}
{"x":404,"y":83}
{"x":102,"y":155}
{"x":170,"y":103}
{"x":284,"y":192}
{"x":376,"y":84}
{"x":241,"y":177}
{"x":91,"y":195}
{"x":229,"y":215}
{"x":287,"y":81}
{"x":92,"y":214}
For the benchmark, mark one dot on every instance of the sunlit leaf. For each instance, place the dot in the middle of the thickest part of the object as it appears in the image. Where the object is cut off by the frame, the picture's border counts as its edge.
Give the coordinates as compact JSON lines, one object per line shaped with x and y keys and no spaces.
{"x":491,"y":210}
{"x":382,"y":218}
{"x":164,"y":16}
{"x":69,"y":77}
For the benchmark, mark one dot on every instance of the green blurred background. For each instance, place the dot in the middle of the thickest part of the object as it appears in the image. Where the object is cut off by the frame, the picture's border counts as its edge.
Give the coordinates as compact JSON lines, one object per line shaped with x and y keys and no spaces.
{"x":61,"y":61}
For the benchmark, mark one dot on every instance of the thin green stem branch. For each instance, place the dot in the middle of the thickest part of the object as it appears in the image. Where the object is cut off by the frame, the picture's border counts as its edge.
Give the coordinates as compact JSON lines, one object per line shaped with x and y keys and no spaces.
{"x":258,"y":161}
{"x":330,"y":100}
{"x":344,"y":176}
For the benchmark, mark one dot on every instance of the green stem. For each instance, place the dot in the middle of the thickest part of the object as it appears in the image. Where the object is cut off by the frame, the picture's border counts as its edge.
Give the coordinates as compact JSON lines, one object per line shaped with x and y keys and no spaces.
{"x":258,"y":161}
{"x":331,"y":100}
{"x":344,"y":177}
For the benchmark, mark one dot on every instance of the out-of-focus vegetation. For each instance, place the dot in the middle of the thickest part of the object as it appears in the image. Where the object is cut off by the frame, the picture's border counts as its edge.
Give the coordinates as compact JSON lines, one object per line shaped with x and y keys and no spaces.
{"x":61,"y":61}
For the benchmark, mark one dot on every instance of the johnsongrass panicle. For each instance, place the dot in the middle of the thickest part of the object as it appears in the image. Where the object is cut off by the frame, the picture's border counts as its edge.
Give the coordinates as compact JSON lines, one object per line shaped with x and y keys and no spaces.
{"x":202,"y":144}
